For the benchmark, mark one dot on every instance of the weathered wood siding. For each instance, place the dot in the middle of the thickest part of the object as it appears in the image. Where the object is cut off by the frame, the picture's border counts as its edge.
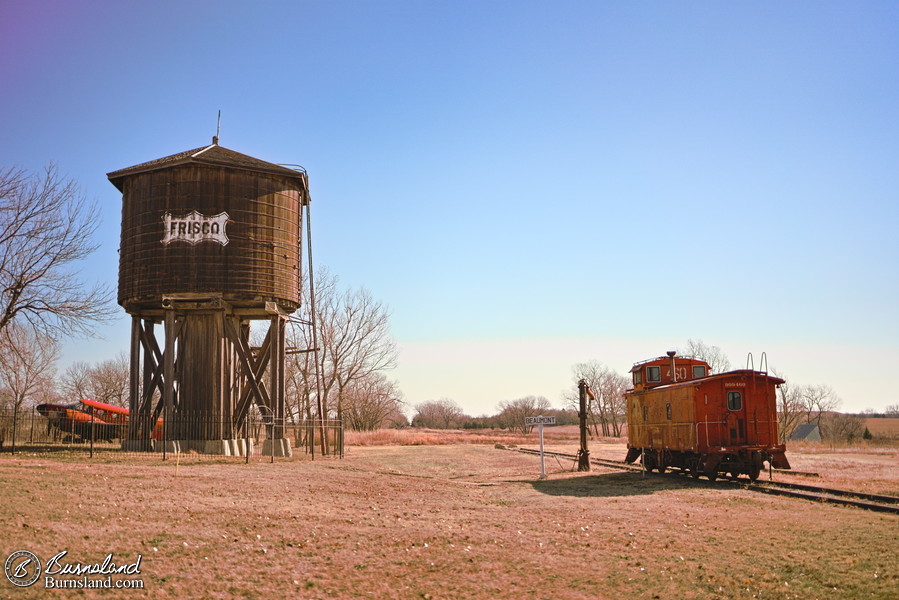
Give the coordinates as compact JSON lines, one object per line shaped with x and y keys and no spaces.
{"x":261,"y":261}
{"x":657,"y":430}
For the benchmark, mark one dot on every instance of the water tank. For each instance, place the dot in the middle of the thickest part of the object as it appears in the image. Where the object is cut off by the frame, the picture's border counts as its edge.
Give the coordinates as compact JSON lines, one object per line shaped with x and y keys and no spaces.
{"x":210,"y":221}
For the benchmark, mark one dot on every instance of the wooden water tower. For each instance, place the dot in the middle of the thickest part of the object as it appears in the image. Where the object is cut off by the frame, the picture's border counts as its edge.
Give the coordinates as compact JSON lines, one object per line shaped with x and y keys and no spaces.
{"x":211,"y":240}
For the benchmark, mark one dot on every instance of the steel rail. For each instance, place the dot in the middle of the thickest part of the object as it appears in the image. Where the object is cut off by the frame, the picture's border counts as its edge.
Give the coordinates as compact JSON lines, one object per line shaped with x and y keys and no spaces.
{"x":832,"y":491}
{"x":844,"y":497}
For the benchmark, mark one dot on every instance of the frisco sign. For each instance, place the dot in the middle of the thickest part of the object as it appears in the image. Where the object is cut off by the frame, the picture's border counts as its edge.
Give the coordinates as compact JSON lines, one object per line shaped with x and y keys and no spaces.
{"x":194,"y":228}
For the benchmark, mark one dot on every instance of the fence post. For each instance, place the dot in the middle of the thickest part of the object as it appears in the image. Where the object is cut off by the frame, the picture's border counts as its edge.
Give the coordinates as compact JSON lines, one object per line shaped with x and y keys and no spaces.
{"x":271,"y":443}
{"x":92,"y":431}
{"x":31,"y":435}
{"x":15,"y":416}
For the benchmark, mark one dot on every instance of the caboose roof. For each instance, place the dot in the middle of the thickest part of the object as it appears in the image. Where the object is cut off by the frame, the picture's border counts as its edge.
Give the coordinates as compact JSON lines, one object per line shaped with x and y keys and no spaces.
{"x":208,"y":155}
{"x":664,"y":360}
{"x":725,"y":375}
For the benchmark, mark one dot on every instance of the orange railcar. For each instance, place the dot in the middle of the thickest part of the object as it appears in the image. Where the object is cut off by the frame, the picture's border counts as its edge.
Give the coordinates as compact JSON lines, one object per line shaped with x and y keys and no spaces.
{"x":680,"y":415}
{"x":88,"y":418}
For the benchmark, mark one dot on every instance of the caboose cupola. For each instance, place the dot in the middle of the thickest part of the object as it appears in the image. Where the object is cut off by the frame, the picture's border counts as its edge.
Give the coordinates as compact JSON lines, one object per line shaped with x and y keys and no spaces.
{"x":667,"y":369}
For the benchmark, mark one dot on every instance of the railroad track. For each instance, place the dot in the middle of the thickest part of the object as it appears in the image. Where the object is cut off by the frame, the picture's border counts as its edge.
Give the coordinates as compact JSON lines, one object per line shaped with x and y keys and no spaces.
{"x":874,"y":502}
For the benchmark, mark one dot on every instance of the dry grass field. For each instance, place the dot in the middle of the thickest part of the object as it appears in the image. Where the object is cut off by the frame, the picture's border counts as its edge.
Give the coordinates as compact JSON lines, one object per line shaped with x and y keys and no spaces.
{"x":887,"y":427}
{"x":447,"y":521}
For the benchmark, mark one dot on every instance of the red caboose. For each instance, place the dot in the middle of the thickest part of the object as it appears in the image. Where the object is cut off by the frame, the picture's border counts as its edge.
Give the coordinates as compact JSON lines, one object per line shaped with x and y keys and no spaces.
{"x":679,"y":415}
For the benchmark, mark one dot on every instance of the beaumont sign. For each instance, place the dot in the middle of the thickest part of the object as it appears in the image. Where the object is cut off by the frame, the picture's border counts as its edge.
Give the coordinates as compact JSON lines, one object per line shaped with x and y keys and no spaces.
{"x":194,"y":228}
{"x":540,"y":422}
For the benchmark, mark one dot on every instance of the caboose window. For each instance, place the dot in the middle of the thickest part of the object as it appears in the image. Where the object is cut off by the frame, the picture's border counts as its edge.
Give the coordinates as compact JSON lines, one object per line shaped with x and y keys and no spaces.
{"x":638,"y":377}
{"x":668,"y":410}
{"x":653,"y":374}
{"x":734,"y":400}
{"x":698,"y":371}
{"x":645,"y":413}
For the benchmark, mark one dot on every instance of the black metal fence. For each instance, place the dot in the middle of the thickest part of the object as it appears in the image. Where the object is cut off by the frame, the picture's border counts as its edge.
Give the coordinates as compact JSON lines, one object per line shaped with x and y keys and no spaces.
{"x":28,"y":431}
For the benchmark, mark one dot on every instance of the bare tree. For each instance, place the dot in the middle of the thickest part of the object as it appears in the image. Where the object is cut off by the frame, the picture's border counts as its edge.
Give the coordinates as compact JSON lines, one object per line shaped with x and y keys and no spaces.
{"x":790,"y":407}
{"x":109,"y":381}
{"x":354,"y":343}
{"x":718,"y":360}
{"x":106,"y":381}
{"x":396,"y":419}
{"x":299,"y":385}
{"x":46,"y":227}
{"x":358,"y":343}
{"x":892,"y":410}
{"x":513,"y":413}
{"x":75,"y":381}
{"x":797,"y":404}
{"x":27,"y":362}
{"x":608,"y":409}
{"x":842,"y":428}
{"x":439,"y":414}
{"x":817,"y":401}
{"x":353,"y":337}
{"x":368,"y":402}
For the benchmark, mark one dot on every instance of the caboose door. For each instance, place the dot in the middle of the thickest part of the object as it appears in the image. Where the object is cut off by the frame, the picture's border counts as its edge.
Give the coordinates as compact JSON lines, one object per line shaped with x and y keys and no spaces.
{"x":735,"y":418}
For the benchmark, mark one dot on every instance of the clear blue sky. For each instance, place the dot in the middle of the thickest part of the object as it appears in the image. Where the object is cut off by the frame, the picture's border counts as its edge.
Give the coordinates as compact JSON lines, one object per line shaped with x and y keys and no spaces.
{"x":527,"y":185}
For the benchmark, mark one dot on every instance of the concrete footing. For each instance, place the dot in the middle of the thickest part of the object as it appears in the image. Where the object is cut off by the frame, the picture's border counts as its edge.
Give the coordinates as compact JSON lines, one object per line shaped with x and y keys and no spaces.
{"x":239,"y":446}
{"x":220,"y":447}
{"x":169,"y":446}
{"x":137,"y":445}
{"x":277,"y":447}
{"x":232,"y":447}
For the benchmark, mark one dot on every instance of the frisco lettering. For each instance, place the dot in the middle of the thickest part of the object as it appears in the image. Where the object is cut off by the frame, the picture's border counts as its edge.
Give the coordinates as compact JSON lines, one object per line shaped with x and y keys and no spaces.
{"x":194,"y":228}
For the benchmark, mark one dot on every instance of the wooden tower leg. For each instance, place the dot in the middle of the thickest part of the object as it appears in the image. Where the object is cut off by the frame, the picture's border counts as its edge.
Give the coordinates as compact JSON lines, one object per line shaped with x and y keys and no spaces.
{"x":279,"y":445}
{"x":134,"y":391}
{"x":168,"y":384}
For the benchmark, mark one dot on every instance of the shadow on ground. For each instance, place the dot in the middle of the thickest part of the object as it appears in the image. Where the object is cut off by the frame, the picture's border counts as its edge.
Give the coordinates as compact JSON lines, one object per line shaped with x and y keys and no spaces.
{"x":607,"y":485}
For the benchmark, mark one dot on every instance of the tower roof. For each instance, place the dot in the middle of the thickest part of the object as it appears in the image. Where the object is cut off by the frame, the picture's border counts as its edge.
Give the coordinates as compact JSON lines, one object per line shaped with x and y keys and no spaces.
{"x":208,"y":155}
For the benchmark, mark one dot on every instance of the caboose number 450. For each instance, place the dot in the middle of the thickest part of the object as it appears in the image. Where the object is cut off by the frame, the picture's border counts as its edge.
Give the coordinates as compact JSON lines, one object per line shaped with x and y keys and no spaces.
{"x":680,"y":415}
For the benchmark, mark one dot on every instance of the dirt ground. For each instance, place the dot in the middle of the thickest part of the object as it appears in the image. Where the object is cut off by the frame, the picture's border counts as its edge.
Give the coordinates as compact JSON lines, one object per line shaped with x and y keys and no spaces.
{"x":453,"y":521}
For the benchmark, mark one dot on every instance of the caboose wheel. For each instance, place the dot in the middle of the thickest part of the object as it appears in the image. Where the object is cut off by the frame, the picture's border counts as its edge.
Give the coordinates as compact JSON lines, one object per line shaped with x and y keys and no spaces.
{"x":712,"y":476}
{"x":754,"y":471}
